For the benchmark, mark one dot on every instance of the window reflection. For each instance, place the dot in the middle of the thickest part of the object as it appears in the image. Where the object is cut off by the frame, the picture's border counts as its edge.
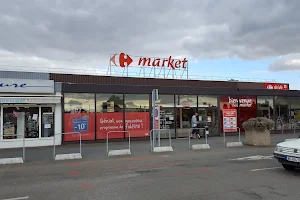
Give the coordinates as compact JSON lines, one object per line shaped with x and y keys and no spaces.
{"x":109,"y":116}
{"x":79,"y":103}
{"x":137,"y":116}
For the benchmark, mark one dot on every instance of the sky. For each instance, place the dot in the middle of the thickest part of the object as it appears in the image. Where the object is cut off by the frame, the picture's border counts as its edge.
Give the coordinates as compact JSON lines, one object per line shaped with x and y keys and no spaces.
{"x":245,"y":39}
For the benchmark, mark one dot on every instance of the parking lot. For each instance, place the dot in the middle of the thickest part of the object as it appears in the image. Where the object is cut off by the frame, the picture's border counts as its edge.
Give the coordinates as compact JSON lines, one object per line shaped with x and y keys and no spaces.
{"x":218,"y":173}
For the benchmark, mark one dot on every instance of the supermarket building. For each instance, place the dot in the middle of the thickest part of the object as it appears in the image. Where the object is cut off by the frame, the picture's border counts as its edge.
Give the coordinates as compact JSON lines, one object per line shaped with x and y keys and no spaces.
{"x":39,"y":105}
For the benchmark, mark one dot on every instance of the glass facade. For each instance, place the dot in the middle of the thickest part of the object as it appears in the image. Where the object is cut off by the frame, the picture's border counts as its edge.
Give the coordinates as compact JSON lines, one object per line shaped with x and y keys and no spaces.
{"x":94,"y":115}
{"x":79,"y":116}
{"x":109,"y":115}
{"x":167,"y":114}
{"x":208,"y":111}
{"x":30,"y":121}
{"x":137,"y":114}
{"x":265,"y":107}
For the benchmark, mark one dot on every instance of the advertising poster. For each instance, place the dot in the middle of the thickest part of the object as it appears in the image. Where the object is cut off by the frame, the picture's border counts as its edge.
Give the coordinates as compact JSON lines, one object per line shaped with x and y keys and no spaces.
{"x":79,"y":122}
{"x":138,"y":123}
{"x":157,"y":117}
{"x":230,"y":120}
{"x":109,"y":122}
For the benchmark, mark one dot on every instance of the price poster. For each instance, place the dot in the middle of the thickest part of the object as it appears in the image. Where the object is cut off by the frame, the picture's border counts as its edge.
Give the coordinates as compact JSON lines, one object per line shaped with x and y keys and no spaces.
{"x":230,"y":120}
{"x":81,"y":124}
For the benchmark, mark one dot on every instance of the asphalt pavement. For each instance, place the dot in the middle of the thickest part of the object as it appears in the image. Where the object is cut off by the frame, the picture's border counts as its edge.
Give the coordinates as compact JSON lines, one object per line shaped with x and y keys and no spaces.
{"x":218,"y":173}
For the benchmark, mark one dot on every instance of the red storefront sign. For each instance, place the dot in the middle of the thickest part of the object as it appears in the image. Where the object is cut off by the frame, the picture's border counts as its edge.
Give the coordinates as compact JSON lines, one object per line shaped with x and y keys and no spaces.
{"x":276,"y":86}
{"x":138,"y":123}
{"x":229,"y":120}
{"x":125,"y":60}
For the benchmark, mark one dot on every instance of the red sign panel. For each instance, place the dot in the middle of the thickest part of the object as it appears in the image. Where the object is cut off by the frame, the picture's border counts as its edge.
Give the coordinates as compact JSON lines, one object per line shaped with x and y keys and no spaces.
{"x":276,"y":86}
{"x":83,"y":123}
{"x":138,"y":123}
{"x":229,"y":120}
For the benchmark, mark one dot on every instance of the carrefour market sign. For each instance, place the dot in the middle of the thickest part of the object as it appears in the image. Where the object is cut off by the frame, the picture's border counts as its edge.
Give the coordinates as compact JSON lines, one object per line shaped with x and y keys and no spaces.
{"x":124,"y":60}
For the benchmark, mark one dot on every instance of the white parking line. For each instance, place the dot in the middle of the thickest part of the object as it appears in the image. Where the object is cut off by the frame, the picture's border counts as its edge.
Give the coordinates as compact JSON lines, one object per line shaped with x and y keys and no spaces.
{"x":264,"y":169}
{"x":17,"y":198}
{"x":258,"y":157}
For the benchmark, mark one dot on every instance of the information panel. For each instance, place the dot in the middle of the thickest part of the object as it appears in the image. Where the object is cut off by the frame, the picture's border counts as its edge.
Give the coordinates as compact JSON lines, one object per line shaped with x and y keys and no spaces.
{"x":230,"y":120}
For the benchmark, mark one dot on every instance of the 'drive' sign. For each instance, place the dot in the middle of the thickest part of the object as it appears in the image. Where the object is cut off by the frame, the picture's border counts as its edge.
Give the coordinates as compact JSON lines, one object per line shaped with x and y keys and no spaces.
{"x":124,"y":60}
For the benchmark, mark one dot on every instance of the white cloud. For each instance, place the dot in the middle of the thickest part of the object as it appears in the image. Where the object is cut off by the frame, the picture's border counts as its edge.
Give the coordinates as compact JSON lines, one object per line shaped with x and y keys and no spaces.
{"x":286,"y":63}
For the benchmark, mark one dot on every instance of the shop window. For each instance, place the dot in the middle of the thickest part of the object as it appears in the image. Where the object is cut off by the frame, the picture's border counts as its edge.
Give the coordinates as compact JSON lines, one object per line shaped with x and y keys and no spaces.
{"x":47,"y":121}
{"x":265,"y":107}
{"x":79,"y":116}
{"x":20,"y":121}
{"x":110,"y":115}
{"x":208,"y":113}
{"x":137,"y":116}
{"x":167,"y":114}
{"x":282,"y":117}
{"x":186,"y":101}
{"x":207,"y":101}
{"x":186,"y":106}
{"x":295,"y":112}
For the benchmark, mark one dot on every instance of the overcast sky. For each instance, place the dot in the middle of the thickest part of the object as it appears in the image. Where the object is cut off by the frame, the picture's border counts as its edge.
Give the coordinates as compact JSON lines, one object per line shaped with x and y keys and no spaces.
{"x":83,"y":33}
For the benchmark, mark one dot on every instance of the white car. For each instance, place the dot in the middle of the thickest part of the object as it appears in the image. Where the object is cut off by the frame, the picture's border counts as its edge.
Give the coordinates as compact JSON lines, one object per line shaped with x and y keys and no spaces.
{"x":288,"y":154}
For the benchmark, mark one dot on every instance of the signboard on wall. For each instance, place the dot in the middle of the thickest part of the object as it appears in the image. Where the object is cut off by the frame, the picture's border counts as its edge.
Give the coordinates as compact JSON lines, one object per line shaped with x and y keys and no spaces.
{"x":12,"y":100}
{"x":276,"y":86}
{"x":229,"y":120}
{"x":8,"y":85}
{"x":124,"y":60}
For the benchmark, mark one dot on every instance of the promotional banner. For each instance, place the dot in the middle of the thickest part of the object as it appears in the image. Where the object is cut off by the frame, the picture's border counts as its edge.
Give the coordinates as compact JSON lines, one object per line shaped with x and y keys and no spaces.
{"x":138,"y":123}
{"x":229,"y":120}
{"x":79,"y":122}
{"x":106,"y":122}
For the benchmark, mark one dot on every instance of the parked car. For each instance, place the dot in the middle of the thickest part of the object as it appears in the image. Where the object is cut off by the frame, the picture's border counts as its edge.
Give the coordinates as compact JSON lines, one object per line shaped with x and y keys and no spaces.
{"x":288,"y":153}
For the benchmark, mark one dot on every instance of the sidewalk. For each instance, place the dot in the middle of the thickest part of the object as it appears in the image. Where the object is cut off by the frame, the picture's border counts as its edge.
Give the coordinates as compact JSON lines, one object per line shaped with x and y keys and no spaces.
{"x":138,"y":148}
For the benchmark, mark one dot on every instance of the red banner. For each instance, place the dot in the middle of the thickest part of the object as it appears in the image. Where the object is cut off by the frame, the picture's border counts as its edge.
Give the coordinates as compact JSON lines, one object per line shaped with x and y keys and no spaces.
{"x":79,"y":122}
{"x":138,"y":123}
{"x":276,"y":86}
{"x":229,"y":120}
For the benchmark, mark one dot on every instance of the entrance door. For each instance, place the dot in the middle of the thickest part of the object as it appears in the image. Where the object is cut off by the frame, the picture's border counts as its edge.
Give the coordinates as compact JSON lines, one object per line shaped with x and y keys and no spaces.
{"x":183,"y":121}
{"x":209,"y":117}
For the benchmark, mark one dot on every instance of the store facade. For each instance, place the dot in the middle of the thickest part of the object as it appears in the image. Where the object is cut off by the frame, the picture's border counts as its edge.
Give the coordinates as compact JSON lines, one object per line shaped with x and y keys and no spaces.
{"x":30,"y":109}
{"x":95,"y":106}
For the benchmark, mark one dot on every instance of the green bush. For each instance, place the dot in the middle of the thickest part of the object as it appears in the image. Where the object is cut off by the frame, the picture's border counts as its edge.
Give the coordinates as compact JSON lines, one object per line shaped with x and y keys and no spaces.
{"x":258,"y":124}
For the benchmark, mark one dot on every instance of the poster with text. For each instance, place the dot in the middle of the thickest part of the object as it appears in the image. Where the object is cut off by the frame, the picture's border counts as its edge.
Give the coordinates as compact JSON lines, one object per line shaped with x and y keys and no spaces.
{"x":110,"y":122}
{"x":83,"y":123}
{"x":229,"y":120}
{"x":137,"y":123}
